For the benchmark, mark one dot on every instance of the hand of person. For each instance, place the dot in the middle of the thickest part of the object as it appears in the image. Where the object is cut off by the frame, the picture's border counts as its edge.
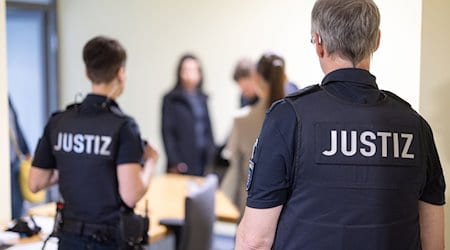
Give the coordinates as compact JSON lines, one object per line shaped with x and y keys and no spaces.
{"x":179,"y":168}
{"x":151,"y":152}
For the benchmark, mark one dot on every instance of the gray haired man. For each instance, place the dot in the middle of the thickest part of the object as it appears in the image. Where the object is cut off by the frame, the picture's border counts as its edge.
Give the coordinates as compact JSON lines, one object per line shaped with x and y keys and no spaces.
{"x":344,"y":165}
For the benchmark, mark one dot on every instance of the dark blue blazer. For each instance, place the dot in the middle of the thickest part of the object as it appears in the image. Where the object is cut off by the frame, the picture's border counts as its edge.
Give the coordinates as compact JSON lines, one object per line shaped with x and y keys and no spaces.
{"x":178,"y":130}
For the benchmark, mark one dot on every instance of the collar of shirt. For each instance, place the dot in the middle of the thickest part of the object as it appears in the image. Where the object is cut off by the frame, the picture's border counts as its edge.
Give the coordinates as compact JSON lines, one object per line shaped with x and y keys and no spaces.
{"x":353,"y":85}
{"x":353,"y":75}
{"x":93,"y":99}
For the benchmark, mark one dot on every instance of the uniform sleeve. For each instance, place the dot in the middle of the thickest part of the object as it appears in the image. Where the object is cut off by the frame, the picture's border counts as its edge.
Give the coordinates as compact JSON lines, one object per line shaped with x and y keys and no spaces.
{"x":434,"y":190}
{"x":269,"y":178}
{"x":130,"y":148}
{"x":43,"y":156}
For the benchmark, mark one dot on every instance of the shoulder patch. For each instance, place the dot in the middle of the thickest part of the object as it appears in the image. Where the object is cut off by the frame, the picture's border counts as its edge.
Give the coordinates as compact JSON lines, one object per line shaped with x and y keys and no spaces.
{"x":251,"y":170}
{"x":304,"y":91}
{"x":396,"y":97}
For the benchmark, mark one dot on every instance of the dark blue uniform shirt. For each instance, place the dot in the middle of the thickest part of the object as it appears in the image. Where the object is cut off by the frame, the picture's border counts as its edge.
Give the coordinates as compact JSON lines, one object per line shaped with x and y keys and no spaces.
{"x":86,"y":143}
{"x":274,"y":179}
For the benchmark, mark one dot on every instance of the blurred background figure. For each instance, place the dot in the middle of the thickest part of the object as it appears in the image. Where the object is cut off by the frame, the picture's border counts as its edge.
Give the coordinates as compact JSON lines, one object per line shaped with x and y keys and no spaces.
{"x":270,"y":87}
{"x":18,"y":150}
{"x":244,"y":76}
{"x":289,"y":87}
{"x":186,"y":126}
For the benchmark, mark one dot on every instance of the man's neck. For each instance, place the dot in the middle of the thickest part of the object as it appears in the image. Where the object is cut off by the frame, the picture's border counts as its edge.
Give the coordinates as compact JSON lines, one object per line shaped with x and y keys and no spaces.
{"x":332,"y":64}
{"x":105,"y":89}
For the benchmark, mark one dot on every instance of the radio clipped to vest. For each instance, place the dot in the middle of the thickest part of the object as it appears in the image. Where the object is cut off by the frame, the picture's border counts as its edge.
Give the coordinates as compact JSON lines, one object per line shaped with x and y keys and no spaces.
{"x":133,"y":228}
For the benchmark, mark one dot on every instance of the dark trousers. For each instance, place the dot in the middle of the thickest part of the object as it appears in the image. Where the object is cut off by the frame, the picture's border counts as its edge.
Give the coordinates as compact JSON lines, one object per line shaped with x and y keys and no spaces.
{"x":68,"y":241}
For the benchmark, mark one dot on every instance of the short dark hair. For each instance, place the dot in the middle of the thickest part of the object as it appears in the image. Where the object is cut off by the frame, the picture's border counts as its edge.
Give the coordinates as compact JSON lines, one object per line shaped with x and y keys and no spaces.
{"x":244,"y":68}
{"x":103,"y":58}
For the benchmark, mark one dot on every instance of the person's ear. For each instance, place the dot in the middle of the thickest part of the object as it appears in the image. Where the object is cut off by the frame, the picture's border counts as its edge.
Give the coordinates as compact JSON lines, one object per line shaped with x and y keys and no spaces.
{"x":320,"y":51}
{"x":86,"y":72}
{"x":378,"y":39}
{"x":121,"y":75}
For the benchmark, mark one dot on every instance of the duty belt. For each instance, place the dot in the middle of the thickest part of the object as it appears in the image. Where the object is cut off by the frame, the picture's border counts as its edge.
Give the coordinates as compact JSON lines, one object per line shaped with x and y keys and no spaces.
{"x":101,"y":233}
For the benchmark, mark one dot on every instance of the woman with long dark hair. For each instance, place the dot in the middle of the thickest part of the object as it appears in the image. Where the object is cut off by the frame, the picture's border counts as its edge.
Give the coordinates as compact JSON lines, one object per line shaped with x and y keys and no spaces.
{"x":186,"y":126}
{"x":270,"y":76}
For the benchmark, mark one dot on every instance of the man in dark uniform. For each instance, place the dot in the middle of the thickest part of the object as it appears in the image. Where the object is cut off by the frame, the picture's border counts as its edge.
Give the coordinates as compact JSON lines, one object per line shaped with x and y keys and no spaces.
{"x":344,"y":165}
{"x":94,"y":151}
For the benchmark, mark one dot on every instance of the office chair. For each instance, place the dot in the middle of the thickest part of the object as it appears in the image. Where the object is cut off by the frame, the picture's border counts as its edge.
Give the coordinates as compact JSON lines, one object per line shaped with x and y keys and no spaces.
{"x":195,"y":232}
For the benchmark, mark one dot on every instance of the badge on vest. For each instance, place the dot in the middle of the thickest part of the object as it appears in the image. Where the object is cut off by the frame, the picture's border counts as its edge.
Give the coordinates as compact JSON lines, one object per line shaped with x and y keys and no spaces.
{"x":251,"y":168}
{"x":83,"y":143}
{"x":366,"y":144}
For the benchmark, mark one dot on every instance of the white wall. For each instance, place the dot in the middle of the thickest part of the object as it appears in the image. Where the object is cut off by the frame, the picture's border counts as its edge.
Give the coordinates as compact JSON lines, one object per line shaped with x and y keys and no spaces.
{"x":397,"y":62}
{"x":5,"y":194}
{"x":435,"y":82}
{"x":157,"y":32}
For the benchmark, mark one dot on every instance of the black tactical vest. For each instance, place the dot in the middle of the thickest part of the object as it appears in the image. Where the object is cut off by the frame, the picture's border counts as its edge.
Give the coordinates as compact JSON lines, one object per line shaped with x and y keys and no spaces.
{"x":358,"y":175}
{"x":84,"y":141}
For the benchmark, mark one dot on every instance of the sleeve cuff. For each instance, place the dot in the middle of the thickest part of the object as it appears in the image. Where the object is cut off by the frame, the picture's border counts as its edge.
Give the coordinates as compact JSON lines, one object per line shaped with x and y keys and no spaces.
{"x":437,"y":202}
{"x":263,"y":204}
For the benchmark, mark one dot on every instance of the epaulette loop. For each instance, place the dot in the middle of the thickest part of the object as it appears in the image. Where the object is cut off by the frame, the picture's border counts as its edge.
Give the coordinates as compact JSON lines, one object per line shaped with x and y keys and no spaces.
{"x":304,"y":91}
{"x":396,"y":97}
{"x":115,"y":110}
{"x":73,"y":106}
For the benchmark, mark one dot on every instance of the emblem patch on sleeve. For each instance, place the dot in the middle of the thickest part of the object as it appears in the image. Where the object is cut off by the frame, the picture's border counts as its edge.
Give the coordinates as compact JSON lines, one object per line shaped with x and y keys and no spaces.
{"x":251,"y":168}
{"x":254,"y":148}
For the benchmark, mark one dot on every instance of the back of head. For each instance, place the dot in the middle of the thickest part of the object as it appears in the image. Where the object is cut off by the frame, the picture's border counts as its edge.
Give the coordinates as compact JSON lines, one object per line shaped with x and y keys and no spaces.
{"x":103,"y":58}
{"x":244,"y":68}
{"x":347,"y":28}
{"x":271,"y":68}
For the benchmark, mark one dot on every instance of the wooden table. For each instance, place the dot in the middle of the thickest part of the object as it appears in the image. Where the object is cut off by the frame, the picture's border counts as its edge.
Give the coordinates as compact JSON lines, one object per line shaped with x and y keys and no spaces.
{"x":166,"y":197}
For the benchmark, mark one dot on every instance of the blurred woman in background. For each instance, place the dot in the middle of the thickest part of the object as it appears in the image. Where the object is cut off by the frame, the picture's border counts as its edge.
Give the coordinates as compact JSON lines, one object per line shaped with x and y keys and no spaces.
{"x":186,"y":126}
{"x":271,"y":78}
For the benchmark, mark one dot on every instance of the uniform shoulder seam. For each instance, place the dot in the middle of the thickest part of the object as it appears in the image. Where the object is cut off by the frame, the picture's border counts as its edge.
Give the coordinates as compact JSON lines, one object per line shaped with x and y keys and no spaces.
{"x":305,"y":91}
{"x":68,"y":108}
{"x":396,"y":97}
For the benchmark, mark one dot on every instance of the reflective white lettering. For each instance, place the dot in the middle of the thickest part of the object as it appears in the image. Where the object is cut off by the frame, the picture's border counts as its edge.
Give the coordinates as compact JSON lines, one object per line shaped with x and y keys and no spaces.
{"x":106,"y":141}
{"x":333,"y":144}
{"x":67,"y":142}
{"x":389,"y":144}
{"x":97,"y":145}
{"x":384,"y":136}
{"x":78,"y":143}
{"x":372,"y":147}
{"x":344,"y":141}
{"x":89,"y":139}
{"x":395,"y":145}
{"x":58,"y":145}
{"x":409,"y":138}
